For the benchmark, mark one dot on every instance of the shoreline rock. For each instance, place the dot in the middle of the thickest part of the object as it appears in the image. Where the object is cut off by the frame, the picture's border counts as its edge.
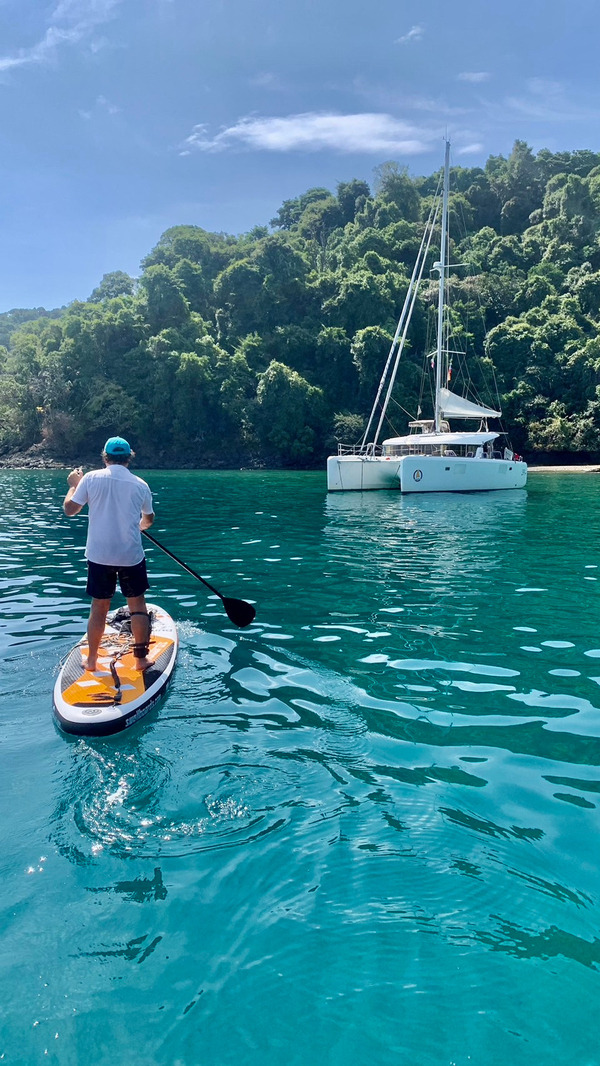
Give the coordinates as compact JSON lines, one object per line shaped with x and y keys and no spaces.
{"x":567,"y":468}
{"x":36,"y":458}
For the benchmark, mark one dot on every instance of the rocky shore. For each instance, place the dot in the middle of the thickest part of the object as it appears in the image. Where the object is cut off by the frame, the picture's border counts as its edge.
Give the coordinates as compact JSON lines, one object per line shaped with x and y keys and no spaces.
{"x":27,"y":461}
{"x":37,"y":458}
{"x":566,"y":469}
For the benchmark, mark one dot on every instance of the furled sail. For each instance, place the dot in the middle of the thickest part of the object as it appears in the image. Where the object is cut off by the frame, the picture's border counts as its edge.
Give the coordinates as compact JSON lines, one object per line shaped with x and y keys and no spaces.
{"x":453,"y":406}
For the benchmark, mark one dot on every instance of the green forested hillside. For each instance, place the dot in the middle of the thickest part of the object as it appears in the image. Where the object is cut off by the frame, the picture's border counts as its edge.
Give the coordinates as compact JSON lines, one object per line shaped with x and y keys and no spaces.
{"x":269,"y":346}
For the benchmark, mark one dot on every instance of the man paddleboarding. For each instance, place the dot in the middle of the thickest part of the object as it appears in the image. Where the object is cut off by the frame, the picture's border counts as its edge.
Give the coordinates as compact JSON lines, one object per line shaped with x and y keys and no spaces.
{"x":120,"y":507}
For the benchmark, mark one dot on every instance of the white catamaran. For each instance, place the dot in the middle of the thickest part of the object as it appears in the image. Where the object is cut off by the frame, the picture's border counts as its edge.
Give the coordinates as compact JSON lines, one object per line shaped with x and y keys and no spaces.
{"x":432,"y":458}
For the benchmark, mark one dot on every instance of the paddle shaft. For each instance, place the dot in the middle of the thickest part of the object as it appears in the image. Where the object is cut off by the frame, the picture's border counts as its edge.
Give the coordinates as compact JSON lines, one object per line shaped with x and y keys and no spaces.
{"x":181,"y":563}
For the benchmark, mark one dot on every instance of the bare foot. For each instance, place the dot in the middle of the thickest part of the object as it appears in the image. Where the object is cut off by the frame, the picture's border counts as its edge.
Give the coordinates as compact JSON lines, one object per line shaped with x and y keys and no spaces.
{"x":142,"y":664}
{"x":89,"y":664}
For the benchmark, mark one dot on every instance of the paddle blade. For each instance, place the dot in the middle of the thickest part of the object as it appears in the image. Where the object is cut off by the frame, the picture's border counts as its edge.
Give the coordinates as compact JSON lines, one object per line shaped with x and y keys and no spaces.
{"x":240,"y":612}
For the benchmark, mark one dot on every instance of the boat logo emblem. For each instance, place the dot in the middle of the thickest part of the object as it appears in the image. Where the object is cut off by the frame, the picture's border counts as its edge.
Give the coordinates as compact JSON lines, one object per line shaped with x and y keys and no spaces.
{"x":418,"y":474}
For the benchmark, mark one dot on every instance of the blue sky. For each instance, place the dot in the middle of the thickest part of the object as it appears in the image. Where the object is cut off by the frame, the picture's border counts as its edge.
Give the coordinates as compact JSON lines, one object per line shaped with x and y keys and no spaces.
{"x":120,"y":118}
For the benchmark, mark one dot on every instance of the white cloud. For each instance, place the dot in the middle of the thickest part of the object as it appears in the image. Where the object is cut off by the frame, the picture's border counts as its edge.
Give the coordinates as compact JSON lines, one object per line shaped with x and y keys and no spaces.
{"x":101,"y":105}
{"x":378,"y":96}
{"x":98,"y":44}
{"x":435,"y":106}
{"x":313,"y":132}
{"x":90,"y":12}
{"x":545,"y":87}
{"x":469,"y":149}
{"x":547,"y":101}
{"x":107,"y":106}
{"x":474,"y":76}
{"x":71,"y":21}
{"x":414,"y":34}
{"x":42,"y":50}
{"x":265,"y":81}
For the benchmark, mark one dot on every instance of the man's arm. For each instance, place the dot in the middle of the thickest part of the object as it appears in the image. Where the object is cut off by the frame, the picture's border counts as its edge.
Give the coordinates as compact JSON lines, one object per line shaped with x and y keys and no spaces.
{"x":147,"y":515}
{"x":69,"y":507}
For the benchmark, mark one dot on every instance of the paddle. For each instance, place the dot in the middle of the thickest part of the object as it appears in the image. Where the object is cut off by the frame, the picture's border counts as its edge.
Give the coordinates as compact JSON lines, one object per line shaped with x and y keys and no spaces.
{"x":240,"y":612}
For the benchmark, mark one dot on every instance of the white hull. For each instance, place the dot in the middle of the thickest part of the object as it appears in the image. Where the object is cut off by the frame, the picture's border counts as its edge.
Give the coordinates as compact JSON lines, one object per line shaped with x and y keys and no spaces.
{"x":423,"y":473}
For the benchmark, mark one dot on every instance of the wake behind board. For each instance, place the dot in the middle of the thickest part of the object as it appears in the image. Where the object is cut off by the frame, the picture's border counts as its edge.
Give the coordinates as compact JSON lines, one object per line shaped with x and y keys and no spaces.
{"x":115,"y":695}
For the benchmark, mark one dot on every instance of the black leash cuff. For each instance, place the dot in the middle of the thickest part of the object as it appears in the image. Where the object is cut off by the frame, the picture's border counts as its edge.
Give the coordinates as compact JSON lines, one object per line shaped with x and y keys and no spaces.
{"x":140,"y":651}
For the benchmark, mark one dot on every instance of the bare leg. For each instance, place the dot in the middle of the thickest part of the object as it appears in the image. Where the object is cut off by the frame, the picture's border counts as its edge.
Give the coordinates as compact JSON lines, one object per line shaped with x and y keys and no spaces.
{"x":95,"y":630}
{"x":140,"y":627}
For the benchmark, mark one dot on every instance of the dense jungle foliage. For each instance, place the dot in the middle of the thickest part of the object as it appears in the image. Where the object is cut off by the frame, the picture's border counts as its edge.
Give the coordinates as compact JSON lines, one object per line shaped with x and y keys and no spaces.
{"x":268,"y":347}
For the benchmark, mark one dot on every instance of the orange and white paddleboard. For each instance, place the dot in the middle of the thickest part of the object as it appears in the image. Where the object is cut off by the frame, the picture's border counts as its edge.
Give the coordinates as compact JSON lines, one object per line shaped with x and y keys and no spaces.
{"x":115,"y":695}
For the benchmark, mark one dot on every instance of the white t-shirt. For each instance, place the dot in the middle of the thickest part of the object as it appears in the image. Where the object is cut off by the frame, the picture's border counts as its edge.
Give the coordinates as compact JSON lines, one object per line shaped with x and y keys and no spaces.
{"x":116,"y":499}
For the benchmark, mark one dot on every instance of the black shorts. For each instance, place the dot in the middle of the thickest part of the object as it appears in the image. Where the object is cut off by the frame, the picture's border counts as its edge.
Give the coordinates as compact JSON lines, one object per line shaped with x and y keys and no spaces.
{"x":102,"y":580}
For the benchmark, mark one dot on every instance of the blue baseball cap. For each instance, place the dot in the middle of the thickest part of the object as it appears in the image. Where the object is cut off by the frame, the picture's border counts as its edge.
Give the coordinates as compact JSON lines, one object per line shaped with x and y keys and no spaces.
{"x":117,"y":446}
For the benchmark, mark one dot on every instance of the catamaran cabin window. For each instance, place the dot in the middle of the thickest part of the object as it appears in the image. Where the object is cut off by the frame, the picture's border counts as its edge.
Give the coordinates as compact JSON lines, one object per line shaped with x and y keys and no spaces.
{"x":396,"y":450}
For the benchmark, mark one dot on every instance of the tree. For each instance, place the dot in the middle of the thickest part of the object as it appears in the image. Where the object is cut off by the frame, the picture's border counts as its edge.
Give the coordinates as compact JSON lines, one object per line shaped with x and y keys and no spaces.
{"x":370,"y":347}
{"x":20,"y":422}
{"x":284,"y":273}
{"x":290,"y":416}
{"x":165,"y":303}
{"x":194,"y":285}
{"x":318,"y":222}
{"x":211,"y":251}
{"x":363,"y":299}
{"x":237,"y":399}
{"x":587,"y":289}
{"x":393,"y":185}
{"x":348,"y":428}
{"x":295,"y":346}
{"x":117,"y":283}
{"x":518,"y":186}
{"x":333,"y":367}
{"x":291,"y":211}
{"x":111,"y":410}
{"x":509,"y":347}
{"x":351,"y":196}
{"x":194,"y":399}
{"x":238,"y":292}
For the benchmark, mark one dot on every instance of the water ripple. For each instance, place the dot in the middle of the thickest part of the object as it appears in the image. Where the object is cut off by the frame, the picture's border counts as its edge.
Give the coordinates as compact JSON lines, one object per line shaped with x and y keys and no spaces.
{"x":379,"y":797}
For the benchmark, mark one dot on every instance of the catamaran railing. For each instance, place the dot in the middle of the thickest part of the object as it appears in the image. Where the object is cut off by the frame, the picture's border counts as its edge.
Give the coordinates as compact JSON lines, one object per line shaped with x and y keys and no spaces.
{"x":399,"y":451}
{"x":359,"y":449}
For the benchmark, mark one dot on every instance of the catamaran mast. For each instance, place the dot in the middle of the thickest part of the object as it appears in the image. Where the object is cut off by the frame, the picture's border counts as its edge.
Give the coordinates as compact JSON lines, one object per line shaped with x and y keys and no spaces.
{"x":441,"y":266}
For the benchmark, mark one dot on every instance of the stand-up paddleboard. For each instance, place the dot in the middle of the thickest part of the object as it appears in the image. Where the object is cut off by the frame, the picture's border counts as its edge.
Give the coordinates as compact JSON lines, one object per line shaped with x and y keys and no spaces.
{"x":115,"y":695}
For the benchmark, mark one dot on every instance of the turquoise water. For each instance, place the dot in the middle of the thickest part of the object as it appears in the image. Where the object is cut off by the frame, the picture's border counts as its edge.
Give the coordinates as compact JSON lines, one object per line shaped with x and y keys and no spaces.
{"x":364,"y":830}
